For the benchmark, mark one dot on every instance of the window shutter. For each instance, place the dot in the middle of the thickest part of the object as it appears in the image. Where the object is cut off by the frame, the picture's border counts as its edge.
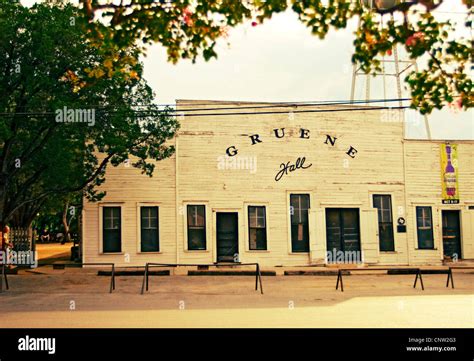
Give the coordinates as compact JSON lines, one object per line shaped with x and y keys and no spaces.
{"x":318,"y":236}
{"x":369,"y":235}
{"x":467,"y":234}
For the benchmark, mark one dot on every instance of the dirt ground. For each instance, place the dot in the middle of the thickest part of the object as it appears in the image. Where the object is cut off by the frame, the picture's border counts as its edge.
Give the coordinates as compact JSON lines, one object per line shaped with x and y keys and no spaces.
{"x":50,"y":252}
{"x":44,"y":297}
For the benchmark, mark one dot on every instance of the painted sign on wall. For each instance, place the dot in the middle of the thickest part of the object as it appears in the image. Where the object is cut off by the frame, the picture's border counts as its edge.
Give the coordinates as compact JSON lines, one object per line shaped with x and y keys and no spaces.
{"x":287,"y":167}
{"x":449,"y":174}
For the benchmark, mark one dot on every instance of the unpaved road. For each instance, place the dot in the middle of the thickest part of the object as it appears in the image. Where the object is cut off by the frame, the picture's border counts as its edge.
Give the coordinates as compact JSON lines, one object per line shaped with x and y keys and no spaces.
{"x":79,"y":298}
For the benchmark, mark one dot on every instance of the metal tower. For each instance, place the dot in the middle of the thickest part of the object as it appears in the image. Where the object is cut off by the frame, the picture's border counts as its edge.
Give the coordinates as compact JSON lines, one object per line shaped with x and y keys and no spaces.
{"x":392,"y":67}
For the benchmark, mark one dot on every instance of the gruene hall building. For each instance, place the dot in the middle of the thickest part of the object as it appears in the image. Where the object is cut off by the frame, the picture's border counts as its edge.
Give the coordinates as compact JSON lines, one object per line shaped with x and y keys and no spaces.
{"x":288,"y":185}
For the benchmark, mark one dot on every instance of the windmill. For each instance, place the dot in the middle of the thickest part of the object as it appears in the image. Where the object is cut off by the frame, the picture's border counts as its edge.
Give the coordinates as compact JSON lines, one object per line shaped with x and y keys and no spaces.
{"x":392,"y":66}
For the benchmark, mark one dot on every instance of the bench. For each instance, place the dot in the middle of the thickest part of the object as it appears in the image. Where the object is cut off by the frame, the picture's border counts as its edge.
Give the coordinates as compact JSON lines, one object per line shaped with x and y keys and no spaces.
{"x":80,"y":264}
{"x":417,"y":271}
{"x":450,"y":274}
{"x":258,"y":275}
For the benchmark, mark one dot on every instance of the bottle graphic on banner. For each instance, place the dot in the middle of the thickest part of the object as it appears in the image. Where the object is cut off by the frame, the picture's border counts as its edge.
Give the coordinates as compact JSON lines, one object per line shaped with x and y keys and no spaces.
{"x":449,"y":174}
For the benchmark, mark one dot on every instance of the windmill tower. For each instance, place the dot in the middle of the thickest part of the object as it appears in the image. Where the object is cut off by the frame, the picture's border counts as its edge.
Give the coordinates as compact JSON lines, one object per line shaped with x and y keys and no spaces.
{"x":392,"y":67}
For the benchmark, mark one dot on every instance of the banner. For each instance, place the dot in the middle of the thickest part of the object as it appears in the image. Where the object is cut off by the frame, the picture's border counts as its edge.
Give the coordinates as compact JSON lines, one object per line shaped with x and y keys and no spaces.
{"x":449,"y":174}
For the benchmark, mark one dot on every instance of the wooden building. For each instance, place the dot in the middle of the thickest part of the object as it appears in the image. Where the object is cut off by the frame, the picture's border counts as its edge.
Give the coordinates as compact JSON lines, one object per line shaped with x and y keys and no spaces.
{"x":289,"y":185}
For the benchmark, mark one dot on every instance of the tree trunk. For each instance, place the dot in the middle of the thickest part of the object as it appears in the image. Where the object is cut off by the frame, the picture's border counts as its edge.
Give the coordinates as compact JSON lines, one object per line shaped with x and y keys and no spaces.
{"x":65,"y":223}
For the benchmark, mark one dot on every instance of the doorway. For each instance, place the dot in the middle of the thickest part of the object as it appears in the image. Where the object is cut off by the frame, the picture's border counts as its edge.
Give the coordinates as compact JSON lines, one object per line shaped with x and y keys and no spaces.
{"x":343,"y":235}
{"x":451,"y":234}
{"x":227,"y":236}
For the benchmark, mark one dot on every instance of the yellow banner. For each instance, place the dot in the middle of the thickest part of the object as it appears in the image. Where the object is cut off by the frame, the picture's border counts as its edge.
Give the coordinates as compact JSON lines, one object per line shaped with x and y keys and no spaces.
{"x":449,"y":174}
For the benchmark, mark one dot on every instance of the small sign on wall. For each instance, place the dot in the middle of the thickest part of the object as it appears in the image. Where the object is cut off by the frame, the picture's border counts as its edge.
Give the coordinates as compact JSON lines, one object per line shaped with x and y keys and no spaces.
{"x":449,"y":174}
{"x":401,"y":226}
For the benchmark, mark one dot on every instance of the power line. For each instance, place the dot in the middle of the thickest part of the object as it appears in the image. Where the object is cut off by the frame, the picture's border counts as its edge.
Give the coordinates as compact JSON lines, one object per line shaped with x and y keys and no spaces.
{"x":294,"y":104}
{"x":301,"y":111}
{"x":268,"y":104}
{"x":280,"y":112}
{"x":181,"y":112}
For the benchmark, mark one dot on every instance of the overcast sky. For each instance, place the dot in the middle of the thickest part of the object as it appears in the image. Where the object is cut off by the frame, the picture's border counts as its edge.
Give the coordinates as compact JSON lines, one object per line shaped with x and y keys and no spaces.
{"x":281,"y":61}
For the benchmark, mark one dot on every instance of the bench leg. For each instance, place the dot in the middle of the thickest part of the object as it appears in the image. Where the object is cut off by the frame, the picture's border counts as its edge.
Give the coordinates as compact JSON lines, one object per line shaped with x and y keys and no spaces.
{"x":112,"y":279}
{"x":143,"y":285}
{"x":416,"y":280}
{"x":452,"y":279}
{"x":143,"y":281}
{"x":421,"y":282}
{"x":256,"y":277}
{"x":146,"y":277}
{"x":260,"y":280}
{"x":339,"y":279}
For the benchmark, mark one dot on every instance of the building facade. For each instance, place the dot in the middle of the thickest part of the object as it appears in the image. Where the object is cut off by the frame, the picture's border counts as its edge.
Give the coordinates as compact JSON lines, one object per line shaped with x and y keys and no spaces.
{"x":287,"y":185}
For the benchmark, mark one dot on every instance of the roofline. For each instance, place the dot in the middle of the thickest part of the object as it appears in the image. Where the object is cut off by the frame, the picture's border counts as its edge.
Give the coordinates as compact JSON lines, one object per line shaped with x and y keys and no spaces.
{"x":440,"y":140}
{"x":283,"y":104}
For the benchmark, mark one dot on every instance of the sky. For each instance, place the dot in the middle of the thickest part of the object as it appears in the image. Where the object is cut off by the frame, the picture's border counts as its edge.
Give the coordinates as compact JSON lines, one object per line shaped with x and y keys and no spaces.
{"x":280,"y":60}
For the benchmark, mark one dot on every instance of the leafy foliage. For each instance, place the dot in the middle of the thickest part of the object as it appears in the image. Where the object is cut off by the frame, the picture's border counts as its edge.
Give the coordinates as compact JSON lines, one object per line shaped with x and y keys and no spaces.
{"x":188,"y":29}
{"x":47,"y":65}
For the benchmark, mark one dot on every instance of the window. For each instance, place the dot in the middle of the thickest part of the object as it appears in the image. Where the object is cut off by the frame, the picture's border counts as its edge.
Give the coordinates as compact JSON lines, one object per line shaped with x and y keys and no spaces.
{"x":257,"y":228}
{"x":149,"y":229}
{"x":196,"y":227}
{"x":383,"y":203}
{"x":424,"y":227}
{"x":299,"y":222}
{"x":111,"y":237}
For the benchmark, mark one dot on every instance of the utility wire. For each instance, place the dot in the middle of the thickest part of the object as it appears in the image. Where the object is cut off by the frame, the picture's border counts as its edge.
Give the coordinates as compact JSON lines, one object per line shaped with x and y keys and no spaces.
{"x":181,"y":112}
{"x":301,"y":111}
{"x":268,"y":104}
{"x":274,"y":112}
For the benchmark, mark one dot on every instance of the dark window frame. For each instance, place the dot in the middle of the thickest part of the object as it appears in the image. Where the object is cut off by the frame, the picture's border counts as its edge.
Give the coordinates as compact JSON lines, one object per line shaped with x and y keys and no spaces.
{"x":194,"y":227}
{"x":390,"y":243}
{"x":150,"y":228}
{"x":265,"y":248}
{"x":106,"y":229}
{"x":431,"y":232}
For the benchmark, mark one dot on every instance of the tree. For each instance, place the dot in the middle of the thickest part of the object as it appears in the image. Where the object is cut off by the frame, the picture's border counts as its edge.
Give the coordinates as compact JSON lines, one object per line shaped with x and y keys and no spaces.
{"x":58,"y":214}
{"x":63,"y":121}
{"x":189,"y":29}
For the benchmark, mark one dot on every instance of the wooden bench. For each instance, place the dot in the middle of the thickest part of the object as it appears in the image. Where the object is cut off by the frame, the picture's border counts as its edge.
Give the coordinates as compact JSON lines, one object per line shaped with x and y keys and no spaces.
{"x":415,"y":270}
{"x":450,"y":274}
{"x":80,"y":264}
{"x":258,"y":275}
